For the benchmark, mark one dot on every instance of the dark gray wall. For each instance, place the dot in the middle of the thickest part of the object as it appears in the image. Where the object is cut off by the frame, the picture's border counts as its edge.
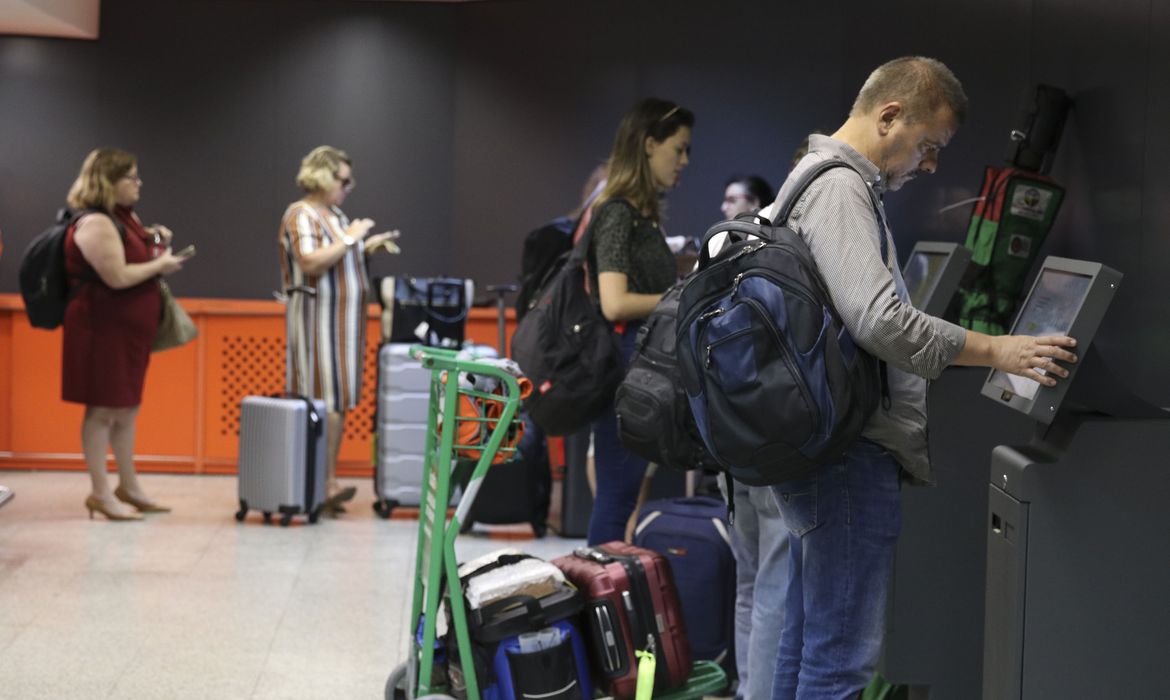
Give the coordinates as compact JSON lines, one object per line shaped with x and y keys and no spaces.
{"x":473,"y":123}
{"x":220,"y":100}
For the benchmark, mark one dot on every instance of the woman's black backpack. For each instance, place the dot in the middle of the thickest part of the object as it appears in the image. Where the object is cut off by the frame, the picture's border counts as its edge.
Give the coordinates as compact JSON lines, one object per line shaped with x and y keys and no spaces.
{"x":44,"y":284}
{"x":568,"y":349}
{"x":653,"y":416}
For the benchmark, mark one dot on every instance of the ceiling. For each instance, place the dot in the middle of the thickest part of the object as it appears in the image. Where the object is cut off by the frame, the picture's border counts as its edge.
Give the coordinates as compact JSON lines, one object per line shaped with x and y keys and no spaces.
{"x":69,"y":19}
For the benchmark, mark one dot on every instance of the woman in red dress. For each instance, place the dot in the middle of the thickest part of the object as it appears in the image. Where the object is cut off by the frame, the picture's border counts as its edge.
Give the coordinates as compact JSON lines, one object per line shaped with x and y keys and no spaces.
{"x":113,"y":263}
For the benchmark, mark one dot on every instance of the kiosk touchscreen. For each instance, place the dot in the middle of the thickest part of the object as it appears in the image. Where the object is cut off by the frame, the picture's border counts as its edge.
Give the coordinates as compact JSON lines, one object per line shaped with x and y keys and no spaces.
{"x":1068,"y":297}
{"x":932,"y":274}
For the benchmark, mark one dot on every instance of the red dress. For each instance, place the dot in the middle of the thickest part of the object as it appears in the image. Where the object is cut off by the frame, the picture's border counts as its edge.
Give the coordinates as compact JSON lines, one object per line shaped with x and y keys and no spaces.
{"x":108,"y":332}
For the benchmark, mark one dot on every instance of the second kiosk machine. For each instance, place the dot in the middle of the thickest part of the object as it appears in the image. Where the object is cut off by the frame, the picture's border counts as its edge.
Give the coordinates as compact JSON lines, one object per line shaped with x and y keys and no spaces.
{"x":1078,"y":577}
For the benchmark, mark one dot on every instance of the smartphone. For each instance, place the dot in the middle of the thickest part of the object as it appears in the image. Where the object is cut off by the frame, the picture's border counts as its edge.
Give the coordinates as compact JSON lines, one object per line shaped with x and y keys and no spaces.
{"x":188,"y":252}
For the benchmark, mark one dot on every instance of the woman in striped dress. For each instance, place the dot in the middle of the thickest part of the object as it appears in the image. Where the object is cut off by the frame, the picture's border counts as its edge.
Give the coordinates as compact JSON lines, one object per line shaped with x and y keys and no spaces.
{"x":324,"y":274}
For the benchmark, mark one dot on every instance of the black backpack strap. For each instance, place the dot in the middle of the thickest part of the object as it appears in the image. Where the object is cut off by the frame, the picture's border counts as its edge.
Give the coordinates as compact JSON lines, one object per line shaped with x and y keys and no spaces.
{"x":70,"y":217}
{"x":502,"y":561}
{"x":807,"y":179}
{"x":816,"y":171}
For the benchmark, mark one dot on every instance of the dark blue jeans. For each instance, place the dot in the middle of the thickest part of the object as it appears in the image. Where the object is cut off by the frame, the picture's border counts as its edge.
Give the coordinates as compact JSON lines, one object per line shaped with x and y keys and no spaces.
{"x":619,"y":472}
{"x":843,"y":525}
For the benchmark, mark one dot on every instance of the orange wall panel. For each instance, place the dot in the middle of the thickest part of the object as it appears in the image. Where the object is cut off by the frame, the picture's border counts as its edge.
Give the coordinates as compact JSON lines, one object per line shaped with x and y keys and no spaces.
{"x":189,"y":420}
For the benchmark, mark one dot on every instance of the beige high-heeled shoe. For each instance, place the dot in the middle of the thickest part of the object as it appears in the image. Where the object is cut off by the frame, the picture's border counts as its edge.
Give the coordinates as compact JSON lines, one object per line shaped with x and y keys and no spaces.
{"x":93,"y":504}
{"x":142,"y":506}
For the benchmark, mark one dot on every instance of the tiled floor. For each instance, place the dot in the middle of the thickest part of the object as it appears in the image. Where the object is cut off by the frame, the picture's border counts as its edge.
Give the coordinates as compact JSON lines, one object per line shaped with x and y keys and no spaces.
{"x":192,"y":604}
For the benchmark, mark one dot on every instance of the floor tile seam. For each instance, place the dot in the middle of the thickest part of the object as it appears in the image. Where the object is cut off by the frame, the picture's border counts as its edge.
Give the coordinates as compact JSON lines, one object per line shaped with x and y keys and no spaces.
{"x":125,"y":670}
{"x":275,"y":633}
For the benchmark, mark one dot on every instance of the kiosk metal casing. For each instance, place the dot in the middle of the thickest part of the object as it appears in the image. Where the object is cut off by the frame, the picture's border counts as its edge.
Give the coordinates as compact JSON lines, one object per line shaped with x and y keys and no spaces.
{"x":1068,"y":297}
{"x":932,"y":274}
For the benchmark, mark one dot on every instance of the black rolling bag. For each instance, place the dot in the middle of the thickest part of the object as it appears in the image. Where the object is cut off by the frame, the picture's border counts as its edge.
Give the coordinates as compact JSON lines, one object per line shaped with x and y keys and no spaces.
{"x":516,"y":491}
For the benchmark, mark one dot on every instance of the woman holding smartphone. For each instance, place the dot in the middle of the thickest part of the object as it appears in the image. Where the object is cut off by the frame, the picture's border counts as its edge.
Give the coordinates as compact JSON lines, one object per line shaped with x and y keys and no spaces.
{"x":113,"y":263}
{"x":324,"y":274}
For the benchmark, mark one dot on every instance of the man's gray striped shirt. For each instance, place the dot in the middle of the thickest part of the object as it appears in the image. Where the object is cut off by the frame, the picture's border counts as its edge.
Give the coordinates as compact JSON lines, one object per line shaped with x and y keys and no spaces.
{"x":836,"y":218}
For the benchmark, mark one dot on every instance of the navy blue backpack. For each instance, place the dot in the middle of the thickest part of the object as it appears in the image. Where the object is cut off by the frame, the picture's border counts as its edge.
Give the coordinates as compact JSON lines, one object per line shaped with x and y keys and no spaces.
{"x":774,"y":380}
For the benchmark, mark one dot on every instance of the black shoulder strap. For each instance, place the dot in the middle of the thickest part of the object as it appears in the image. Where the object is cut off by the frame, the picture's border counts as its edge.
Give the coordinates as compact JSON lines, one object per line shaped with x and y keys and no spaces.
{"x":581,"y":249}
{"x":806,"y":179}
{"x":66,"y":215}
{"x":818,"y":169}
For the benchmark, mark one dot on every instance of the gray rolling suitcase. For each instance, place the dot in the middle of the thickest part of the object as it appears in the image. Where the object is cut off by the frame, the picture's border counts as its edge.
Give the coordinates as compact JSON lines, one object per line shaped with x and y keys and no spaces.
{"x":401,"y":428}
{"x":282,"y":457}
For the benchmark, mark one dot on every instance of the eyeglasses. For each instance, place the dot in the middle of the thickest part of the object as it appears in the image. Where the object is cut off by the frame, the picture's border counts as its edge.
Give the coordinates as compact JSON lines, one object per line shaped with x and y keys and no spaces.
{"x":347,"y":183}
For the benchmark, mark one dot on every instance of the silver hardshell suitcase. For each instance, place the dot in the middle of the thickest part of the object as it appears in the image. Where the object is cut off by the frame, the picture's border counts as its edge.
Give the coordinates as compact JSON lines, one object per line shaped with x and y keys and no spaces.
{"x":401,"y":419}
{"x":282,"y":457}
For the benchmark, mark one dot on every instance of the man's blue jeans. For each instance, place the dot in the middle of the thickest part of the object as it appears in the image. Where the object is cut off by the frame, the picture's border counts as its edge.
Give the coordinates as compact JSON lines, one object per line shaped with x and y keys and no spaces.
{"x":843,"y":524}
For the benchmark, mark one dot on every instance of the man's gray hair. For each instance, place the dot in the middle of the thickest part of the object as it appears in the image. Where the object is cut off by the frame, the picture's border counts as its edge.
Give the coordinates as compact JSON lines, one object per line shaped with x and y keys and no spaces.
{"x":921,"y":84}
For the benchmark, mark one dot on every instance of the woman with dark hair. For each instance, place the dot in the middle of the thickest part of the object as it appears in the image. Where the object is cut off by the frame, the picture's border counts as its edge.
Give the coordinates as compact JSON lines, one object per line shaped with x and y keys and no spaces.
{"x":746,"y":194}
{"x":113,"y":263}
{"x":630,"y":267}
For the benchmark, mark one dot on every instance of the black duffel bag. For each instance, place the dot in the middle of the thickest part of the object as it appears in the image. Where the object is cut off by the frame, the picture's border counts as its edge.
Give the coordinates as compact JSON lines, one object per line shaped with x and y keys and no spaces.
{"x":427,"y":310}
{"x":568,"y":349}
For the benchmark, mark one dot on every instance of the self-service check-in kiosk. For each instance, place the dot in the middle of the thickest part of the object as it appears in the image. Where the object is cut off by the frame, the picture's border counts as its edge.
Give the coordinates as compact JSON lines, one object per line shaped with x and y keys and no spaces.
{"x":934,"y":635}
{"x":932,"y":274}
{"x":1078,"y":521}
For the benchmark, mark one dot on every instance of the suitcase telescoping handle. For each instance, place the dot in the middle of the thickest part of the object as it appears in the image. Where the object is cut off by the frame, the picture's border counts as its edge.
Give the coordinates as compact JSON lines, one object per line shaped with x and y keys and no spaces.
{"x":502,"y":290}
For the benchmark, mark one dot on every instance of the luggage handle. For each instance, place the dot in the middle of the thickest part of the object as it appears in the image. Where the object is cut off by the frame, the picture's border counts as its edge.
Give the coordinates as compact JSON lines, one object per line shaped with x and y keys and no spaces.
{"x":532,"y":606}
{"x":738,"y":229}
{"x":502,"y":561}
{"x":593,"y":555}
{"x":461,"y":298}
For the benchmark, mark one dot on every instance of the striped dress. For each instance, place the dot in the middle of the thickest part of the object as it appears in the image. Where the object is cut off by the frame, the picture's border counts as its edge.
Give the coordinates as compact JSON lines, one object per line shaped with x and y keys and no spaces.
{"x":326,"y":330}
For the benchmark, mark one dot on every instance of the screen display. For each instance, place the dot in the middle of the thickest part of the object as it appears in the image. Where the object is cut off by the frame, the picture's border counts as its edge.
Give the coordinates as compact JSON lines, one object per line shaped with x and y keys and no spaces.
{"x":1050,"y":310}
{"x":921,"y":275}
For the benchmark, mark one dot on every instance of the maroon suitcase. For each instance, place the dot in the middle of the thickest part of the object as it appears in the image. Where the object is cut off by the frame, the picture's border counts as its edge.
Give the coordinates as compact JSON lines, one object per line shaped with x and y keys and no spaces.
{"x":631,"y":603}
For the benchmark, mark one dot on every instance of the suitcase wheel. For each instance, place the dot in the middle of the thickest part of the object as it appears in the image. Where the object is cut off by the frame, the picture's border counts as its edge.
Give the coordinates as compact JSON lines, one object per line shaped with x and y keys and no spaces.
{"x":267,"y":516}
{"x":540,"y":530}
{"x":285,"y":519}
{"x":314,"y":515}
{"x":242,"y":512}
{"x":382,"y":508}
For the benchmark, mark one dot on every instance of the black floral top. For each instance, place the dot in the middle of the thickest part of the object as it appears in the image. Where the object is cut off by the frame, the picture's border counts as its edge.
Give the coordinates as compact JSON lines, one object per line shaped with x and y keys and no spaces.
{"x":626,"y":241}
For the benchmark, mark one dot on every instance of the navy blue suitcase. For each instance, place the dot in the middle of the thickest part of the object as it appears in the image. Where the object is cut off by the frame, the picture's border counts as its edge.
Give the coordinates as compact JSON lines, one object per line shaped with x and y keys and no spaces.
{"x":695,"y":537}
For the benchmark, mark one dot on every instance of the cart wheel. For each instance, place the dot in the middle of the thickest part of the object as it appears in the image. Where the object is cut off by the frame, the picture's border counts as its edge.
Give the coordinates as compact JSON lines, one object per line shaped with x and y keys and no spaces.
{"x":383,"y":508}
{"x":242,"y":512}
{"x":540,"y":530}
{"x":267,"y":517}
{"x":285,"y":519}
{"x":397,"y":678}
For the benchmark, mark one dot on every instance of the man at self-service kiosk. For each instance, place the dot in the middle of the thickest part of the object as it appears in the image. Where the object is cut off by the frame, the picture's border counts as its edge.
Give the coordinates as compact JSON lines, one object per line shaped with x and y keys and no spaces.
{"x":843,"y":521}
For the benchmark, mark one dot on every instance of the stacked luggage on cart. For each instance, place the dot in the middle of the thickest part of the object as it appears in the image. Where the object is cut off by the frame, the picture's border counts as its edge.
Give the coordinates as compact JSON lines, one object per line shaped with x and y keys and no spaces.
{"x":433,"y":312}
{"x":510,"y":626}
{"x":415,"y":310}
